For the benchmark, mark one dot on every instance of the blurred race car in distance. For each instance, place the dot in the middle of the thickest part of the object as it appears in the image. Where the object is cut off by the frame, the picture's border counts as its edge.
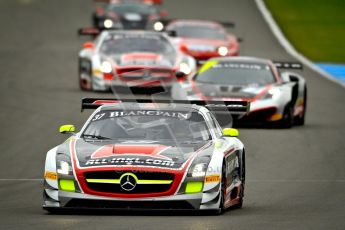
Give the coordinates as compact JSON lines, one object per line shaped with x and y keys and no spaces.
{"x":204,"y":39}
{"x":276,"y":98}
{"x":129,"y":16}
{"x":145,"y":154}
{"x":131,"y":59}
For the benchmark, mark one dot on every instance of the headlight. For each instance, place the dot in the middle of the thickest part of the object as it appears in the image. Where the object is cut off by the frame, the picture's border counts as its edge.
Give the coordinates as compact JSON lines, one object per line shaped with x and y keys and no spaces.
{"x":64,"y":168}
{"x":106,"y":67}
{"x":273,"y":93}
{"x":184,"y":68}
{"x":108,"y":23}
{"x":223,"y":51}
{"x":199,"y":170}
{"x":158,"y":26}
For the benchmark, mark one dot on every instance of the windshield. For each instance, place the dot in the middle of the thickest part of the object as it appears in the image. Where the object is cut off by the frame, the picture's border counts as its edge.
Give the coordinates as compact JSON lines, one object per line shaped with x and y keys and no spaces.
{"x":206,"y":32}
{"x":148,"y":125}
{"x":236,"y":74}
{"x":132,"y":8}
{"x":128,"y":43}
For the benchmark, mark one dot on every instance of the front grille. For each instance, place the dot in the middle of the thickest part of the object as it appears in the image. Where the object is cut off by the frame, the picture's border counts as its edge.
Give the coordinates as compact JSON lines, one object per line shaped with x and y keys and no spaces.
{"x":132,"y":74}
{"x":140,"y":188}
{"x":156,"y":205}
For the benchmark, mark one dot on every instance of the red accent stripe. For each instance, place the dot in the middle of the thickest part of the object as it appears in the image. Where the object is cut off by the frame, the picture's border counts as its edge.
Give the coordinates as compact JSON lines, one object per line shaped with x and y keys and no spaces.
{"x":227,"y":153}
{"x":104,"y":102}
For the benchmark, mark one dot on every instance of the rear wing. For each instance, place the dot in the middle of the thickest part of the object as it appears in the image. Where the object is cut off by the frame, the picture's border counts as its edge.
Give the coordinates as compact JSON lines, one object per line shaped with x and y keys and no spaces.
{"x":233,"y":107}
{"x":288,"y":65}
{"x":227,"y":24}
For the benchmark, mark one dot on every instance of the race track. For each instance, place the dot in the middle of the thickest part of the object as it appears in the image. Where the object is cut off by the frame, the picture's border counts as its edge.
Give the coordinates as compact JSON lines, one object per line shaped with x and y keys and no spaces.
{"x":295,"y":178}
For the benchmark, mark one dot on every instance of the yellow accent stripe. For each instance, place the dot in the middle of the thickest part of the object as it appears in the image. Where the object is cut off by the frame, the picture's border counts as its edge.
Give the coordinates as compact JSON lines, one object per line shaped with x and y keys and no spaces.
{"x":105,"y":181}
{"x":154,"y":181}
{"x":117,"y":181}
{"x":208,"y":65}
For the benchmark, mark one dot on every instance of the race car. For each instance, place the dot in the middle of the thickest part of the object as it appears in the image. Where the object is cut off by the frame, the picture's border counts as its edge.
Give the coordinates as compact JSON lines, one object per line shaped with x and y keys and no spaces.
{"x":144,"y":154}
{"x":120,"y":60}
{"x":204,"y":39}
{"x":277,"y":98}
{"x":129,"y":16}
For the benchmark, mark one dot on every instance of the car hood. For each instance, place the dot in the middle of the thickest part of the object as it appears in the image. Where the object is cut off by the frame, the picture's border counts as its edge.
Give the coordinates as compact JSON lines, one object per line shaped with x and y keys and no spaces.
{"x":190,"y":41}
{"x":229,"y":91}
{"x":163,"y":155}
{"x":143,"y":59}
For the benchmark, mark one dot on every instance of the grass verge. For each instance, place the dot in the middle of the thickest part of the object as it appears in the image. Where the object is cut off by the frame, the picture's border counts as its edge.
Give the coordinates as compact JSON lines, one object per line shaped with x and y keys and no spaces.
{"x":316,"y":28}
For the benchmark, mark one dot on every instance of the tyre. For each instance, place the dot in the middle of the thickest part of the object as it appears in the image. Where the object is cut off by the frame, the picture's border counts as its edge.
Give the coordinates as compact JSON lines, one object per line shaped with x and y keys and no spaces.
{"x":300,"y":120}
{"x":287,"y":121}
{"x":222,"y":191}
{"x":85,"y":68}
{"x":242,"y":175}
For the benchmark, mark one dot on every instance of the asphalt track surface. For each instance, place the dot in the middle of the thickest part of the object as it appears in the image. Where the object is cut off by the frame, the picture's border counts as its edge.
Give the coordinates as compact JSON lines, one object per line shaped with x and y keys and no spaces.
{"x":295,"y":178}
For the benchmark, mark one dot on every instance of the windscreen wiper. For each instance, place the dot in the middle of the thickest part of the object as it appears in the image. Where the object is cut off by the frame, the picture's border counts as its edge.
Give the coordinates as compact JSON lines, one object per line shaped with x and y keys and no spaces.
{"x":96,"y":137}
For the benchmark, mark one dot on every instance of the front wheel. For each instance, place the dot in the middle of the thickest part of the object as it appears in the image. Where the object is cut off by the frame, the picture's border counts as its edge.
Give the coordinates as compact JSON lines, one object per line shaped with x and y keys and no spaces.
{"x":242,"y":177}
{"x":222,"y":192}
{"x":287,"y":121}
{"x":300,"y":120}
{"x":85,"y":75}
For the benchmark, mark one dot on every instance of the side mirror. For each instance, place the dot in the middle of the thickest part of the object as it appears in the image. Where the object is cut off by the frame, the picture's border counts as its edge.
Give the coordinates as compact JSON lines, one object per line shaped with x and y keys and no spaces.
{"x":88,"y":45}
{"x":163,"y":13}
{"x":67,"y":129}
{"x":230,"y":132}
{"x":285,"y":77}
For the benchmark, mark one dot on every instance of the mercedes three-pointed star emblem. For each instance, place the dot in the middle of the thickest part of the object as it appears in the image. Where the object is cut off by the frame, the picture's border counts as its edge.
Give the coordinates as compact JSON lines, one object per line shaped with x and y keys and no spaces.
{"x":128,"y":182}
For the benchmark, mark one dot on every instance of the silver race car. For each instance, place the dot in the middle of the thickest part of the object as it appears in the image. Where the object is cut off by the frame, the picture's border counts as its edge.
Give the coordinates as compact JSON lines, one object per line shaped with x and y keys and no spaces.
{"x":144,"y":154}
{"x":277,"y":96}
{"x":131,"y":59}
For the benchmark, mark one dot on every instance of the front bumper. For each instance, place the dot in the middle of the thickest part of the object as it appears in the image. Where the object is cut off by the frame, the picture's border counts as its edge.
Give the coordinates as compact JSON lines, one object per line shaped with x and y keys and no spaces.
{"x":99,"y":84}
{"x":71,"y":200}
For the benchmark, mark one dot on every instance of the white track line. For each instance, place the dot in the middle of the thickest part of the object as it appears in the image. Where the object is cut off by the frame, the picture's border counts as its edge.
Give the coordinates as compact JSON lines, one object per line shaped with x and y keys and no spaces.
{"x":287,"y":45}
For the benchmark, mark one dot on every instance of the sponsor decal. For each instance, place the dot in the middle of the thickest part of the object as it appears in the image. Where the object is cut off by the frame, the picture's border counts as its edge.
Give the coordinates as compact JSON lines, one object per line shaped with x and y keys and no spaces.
{"x":130,"y":161}
{"x":212,"y":178}
{"x":50,"y":175}
{"x":241,"y":66}
{"x":159,"y":113}
{"x":111,"y":150}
